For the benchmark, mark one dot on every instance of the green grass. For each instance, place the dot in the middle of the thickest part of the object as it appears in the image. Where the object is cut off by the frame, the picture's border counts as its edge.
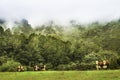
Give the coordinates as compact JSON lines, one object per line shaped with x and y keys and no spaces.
{"x":62,"y":75}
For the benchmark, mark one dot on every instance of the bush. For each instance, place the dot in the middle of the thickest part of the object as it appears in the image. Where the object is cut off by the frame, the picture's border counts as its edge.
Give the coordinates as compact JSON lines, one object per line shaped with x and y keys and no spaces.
{"x":70,"y":66}
{"x":10,"y":66}
{"x":86,"y":66}
{"x":61,"y":67}
{"x":114,"y":63}
{"x":49,"y":66}
{"x":29,"y":68}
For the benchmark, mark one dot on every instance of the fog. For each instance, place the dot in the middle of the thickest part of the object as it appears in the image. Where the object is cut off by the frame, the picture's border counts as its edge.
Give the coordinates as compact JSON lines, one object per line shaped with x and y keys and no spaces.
{"x":60,"y":11}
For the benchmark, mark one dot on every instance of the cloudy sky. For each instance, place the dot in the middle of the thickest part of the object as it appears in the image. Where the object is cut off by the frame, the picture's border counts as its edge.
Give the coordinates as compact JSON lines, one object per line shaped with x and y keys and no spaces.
{"x":40,"y":11}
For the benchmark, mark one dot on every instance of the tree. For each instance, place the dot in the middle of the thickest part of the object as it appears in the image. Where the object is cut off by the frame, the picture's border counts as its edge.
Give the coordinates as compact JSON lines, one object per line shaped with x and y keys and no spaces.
{"x":1,"y":31}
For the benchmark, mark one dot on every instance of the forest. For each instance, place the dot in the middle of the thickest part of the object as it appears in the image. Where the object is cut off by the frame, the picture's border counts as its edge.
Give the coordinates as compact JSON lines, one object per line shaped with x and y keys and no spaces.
{"x":75,"y":47}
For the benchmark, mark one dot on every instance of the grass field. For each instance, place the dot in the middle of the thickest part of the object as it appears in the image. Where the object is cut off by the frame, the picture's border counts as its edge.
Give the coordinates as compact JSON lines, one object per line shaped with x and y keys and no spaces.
{"x":62,"y":75}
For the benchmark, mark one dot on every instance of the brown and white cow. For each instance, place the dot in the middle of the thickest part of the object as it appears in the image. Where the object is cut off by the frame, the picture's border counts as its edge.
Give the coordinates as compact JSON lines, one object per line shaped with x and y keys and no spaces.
{"x":36,"y":68}
{"x":20,"y":68}
{"x":41,"y":68}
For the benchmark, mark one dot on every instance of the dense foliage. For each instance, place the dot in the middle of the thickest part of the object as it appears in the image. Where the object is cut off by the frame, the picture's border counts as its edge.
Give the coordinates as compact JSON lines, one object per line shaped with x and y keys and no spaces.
{"x":59,"y":48}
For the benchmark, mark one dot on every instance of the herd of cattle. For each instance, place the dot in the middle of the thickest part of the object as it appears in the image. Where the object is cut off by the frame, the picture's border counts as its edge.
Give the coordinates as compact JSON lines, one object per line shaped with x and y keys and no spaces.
{"x":99,"y":65}
{"x":35,"y":68}
{"x":102,"y":64}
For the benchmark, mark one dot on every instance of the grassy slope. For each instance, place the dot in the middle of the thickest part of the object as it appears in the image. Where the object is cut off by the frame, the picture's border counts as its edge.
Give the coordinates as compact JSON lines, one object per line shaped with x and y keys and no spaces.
{"x":62,"y":75}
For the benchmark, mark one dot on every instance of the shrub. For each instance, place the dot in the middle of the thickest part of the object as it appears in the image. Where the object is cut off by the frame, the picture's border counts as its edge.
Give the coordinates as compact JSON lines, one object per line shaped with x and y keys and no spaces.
{"x":49,"y":66}
{"x":86,"y":66}
{"x":61,"y":67}
{"x":10,"y":66}
{"x":29,"y":68}
{"x":114,"y":63}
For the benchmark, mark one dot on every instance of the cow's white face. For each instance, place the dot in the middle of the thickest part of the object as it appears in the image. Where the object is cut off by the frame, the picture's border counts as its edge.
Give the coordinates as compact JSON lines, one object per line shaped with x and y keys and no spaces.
{"x":104,"y":62}
{"x":97,"y":62}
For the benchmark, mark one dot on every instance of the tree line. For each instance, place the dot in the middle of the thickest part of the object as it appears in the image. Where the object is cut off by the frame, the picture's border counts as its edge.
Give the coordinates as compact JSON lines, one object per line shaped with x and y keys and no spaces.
{"x":76,"y":48}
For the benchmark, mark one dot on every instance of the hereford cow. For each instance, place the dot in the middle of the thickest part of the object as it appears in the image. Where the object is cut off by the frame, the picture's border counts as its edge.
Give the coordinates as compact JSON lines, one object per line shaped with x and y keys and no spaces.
{"x":105,"y":64}
{"x":41,"y":68}
{"x":36,"y":68}
{"x":20,"y":68}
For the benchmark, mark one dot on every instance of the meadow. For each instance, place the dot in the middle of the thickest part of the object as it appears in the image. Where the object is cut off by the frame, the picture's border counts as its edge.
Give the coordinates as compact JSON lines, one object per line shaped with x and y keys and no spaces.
{"x":62,"y":75}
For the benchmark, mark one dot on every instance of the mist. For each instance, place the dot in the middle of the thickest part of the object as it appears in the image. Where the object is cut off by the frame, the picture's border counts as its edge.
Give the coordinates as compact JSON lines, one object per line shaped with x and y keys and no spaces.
{"x":61,"y":12}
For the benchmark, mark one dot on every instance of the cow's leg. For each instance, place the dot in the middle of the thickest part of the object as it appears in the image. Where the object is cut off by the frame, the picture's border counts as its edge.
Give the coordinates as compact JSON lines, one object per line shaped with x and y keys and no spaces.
{"x":97,"y":67}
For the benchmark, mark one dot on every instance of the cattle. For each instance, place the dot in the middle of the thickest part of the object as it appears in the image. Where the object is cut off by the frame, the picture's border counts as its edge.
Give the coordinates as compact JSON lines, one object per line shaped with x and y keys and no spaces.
{"x":43,"y":68}
{"x":20,"y":68}
{"x":39,"y":68}
{"x":36,"y":68}
{"x":102,"y":64}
